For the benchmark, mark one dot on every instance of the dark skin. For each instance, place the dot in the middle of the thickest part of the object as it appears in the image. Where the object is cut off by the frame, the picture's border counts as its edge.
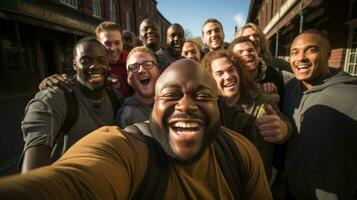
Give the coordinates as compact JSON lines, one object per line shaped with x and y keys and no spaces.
{"x":90,"y":62}
{"x":175,"y":39}
{"x":129,"y":40}
{"x":185,"y":114}
{"x":150,"y":34}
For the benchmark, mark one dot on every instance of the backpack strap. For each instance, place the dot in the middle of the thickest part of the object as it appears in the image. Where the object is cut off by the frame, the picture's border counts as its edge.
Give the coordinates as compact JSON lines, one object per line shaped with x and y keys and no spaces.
{"x":71,"y":112}
{"x":231,"y":163}
{"x":155,"y":180}
{"x":71,"y":118}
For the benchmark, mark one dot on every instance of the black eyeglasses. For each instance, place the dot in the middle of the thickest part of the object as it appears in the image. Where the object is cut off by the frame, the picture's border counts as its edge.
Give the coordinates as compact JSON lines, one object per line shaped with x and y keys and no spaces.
{"x":135,"y":67}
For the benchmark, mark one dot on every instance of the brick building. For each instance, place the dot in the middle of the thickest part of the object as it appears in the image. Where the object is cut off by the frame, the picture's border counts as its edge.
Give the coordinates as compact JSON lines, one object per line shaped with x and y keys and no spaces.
{"x":36,"y":40}
{"x":133,"y":12}
{"x":282,"y":20}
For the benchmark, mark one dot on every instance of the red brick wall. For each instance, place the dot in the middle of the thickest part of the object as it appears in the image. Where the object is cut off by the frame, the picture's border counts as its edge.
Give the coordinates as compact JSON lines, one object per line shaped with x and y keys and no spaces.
{"x":337,"y":58}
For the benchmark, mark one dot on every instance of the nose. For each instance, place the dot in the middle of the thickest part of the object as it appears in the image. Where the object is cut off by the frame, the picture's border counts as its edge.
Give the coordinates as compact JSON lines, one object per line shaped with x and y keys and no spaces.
{"x":141,"y":69}
{"x":252,"y":38}
{"x":227,"y":76}
{"x":190,"y":55}
{"x":300,"y":56}
{"x":186,"y":104}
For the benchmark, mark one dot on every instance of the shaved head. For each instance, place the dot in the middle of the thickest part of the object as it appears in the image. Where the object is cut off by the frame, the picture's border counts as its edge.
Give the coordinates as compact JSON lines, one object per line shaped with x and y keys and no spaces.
{"x":189,"y":69}
{"x":185,"y":116}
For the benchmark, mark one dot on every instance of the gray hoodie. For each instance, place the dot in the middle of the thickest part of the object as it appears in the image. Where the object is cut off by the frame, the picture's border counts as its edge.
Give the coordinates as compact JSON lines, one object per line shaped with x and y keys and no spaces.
{"x":132,"y":111}
{"x":321,"y":159}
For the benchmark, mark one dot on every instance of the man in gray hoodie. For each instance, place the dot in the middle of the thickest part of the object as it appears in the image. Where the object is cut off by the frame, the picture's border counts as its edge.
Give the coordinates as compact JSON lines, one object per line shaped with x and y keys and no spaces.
{"x":321,"y":159}
{"x":143,"y":71}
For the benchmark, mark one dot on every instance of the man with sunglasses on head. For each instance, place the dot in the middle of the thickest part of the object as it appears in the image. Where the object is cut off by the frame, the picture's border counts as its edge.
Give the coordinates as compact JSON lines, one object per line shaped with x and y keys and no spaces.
{"x":142,"y":72}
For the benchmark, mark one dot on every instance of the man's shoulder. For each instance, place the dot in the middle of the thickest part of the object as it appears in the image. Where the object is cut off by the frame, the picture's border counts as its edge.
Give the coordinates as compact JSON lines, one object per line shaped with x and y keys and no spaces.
{"x":50,"y":95}
{"x":115,"y":137}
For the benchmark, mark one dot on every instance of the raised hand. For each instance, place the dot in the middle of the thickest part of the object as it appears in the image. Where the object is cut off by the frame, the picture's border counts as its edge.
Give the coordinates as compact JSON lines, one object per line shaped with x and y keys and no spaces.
{"x":272,"y":128}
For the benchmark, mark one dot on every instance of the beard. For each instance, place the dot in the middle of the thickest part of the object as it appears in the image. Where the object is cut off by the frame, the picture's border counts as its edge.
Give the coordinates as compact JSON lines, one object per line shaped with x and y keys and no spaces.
{"x":161,"y":135}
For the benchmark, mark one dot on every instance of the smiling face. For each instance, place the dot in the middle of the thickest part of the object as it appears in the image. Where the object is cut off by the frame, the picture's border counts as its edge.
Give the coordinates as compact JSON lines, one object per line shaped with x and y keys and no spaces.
{"x":150,"y":34}
{"x":309,"y":55}
{"x":213,"y":36}
{"x":248,"y":54}
{"x":253,"y":36}
{"x":185,"y":116}
{"x":112,"y":40}
{"x":143,"y":81}
{"x":226,"y":77}
{"x":191,"y":51}
{"x":175,"y":39}
{"x":91,"y":65}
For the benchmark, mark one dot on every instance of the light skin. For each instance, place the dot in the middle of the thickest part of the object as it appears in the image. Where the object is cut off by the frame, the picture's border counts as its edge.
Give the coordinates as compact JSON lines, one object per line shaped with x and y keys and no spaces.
{"x":249,"y":55}
{"x":227,"y":79}
{"x":144,"y":80}
{"x":150,"y":34}
{"x":175,"y":39}
{"x":253,"y":36}
{"x":309,"y":55}
{"x":191,"y":51}
{"x":247,"y":52}
{"x":185,"y":114}
{"x":271,"y":127}
{"x":213,"y":36}
{"x":112,"y":40}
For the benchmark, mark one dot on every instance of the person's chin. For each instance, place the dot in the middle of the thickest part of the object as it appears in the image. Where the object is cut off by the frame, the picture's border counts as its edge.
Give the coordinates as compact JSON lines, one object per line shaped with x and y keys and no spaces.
{"x":186,"y":143}
{"x":114,"y":60}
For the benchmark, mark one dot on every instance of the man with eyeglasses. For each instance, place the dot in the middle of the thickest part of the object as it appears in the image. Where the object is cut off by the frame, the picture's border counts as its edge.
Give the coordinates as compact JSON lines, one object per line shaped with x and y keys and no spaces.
{"x":142,"y":72}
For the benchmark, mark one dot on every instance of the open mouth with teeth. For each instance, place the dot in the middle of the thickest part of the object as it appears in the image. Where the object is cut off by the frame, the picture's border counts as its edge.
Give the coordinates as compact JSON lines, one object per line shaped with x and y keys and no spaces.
{"x":177,"y":47}
{"x":96,"y":75}
{"x":145,"y":81}
{"x":229,"y":85}
{"x":186,"y":130}
{"x":303,"y":68}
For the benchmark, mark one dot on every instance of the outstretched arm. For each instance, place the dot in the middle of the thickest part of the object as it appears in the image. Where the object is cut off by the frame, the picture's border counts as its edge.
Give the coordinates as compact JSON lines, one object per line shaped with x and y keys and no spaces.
{"x":35,"y":157}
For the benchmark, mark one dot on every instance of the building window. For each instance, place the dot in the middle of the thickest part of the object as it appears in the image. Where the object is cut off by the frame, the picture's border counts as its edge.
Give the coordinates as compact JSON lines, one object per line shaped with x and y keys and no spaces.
{"x":113,"y":10}
{"x":72,"y":3}
{"x":351,"y":55}
{"x":96,"y":8}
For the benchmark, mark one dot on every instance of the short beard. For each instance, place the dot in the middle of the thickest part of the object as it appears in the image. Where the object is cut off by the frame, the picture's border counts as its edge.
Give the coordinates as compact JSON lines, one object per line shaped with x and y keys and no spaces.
{"x":161,"y":135}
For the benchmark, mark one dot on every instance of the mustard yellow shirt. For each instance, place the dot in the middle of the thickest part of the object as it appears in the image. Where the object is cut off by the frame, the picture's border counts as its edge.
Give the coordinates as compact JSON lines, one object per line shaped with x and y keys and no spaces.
{"x":110,"y":164}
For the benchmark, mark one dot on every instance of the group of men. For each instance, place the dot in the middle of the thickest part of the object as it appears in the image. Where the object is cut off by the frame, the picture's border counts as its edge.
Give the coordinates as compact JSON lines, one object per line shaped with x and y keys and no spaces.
{"x":176,"y":116}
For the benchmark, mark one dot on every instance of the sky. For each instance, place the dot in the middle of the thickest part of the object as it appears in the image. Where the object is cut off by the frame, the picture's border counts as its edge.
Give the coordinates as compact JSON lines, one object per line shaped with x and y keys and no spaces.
{"x":191,"y":14}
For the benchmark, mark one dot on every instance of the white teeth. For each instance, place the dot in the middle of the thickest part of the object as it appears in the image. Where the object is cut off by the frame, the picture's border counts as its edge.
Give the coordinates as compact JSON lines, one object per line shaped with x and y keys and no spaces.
{"x":302,"y":66}
{"x":186,"y":125}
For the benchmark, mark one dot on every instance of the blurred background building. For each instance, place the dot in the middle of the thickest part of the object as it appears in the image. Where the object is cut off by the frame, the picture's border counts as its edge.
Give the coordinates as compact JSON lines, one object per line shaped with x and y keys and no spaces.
{"x":282,"y":20}
{"x":36,"y":41}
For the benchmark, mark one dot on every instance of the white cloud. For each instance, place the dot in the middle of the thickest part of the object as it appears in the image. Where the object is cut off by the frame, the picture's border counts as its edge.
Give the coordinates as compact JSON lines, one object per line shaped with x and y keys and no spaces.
{"x":240,"y":19}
